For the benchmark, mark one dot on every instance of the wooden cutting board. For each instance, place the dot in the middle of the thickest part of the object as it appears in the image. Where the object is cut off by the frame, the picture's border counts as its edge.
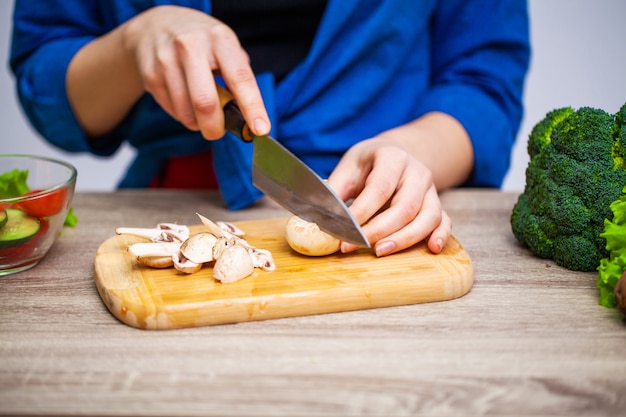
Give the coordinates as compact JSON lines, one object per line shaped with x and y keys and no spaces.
{"x":150,"y":298}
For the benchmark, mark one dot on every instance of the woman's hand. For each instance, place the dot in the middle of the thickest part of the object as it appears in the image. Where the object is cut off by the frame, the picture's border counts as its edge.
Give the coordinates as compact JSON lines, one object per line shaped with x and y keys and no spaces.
{"x":173,"y":53}
{"x":177,"y":51}
{"x":394,"y":179}
{"x":396,"y":193}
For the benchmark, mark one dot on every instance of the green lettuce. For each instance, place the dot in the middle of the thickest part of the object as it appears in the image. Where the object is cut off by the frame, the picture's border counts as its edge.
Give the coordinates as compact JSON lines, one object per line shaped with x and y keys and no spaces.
{"x":13,"y":183}
{"x":613,"y":267}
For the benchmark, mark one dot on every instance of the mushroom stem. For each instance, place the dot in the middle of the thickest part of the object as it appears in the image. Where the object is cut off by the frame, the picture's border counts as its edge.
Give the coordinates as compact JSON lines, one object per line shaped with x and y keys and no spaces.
{"x":154,"y":254}
{"x":164,"y":232}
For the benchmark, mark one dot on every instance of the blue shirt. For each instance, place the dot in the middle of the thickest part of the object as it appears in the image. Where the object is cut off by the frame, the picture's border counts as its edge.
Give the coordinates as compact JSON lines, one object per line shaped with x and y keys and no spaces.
{"x":373,"y":65}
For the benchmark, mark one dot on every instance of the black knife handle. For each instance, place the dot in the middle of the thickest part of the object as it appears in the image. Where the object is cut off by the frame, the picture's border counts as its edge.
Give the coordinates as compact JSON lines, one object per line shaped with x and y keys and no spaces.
{"x":233,"y":119}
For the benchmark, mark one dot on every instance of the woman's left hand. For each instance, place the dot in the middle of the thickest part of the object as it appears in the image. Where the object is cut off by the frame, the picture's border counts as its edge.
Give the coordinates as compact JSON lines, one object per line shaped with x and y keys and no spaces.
{"x":395,"y":197}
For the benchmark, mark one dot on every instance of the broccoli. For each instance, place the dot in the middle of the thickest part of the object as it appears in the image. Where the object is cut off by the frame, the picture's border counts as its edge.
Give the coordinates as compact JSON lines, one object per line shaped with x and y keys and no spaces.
{"x":577,"y":168}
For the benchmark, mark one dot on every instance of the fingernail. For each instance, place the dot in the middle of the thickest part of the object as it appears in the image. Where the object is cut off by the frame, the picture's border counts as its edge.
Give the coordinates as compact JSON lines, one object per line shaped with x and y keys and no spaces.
{"x":440,"y":243}
{"x":260,"y":126}
{"x":385,"y":248}
{"x":347,"y":247}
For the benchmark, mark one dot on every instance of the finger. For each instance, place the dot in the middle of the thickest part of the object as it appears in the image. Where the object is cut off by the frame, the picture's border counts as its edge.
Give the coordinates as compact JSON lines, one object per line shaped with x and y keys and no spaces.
{"x":372,"y":198}
{"x":154,"y":81}
{"x":179,"y":98}
{"x":380,"y":184}
{"x":348,"y":177}
{"x":429,"y":218}
{"x":199,"y":89}
{"x":441,"y":234}
{"x":234,"y":66}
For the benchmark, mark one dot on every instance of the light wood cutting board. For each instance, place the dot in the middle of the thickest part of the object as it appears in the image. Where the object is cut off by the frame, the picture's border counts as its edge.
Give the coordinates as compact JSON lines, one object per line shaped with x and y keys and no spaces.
{"x":150,"y":298}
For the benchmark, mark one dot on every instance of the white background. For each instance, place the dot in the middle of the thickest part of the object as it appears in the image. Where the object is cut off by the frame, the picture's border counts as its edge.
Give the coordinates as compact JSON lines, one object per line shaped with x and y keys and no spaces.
{"x":579,"y":59}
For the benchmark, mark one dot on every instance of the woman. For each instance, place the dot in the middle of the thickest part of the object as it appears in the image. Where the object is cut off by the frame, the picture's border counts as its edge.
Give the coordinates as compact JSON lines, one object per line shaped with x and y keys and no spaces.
{"x":391,"y":100}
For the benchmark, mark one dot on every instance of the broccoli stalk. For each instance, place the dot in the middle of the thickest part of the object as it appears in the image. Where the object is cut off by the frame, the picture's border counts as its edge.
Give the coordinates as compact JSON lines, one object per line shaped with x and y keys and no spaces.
{"x":577,"y":169}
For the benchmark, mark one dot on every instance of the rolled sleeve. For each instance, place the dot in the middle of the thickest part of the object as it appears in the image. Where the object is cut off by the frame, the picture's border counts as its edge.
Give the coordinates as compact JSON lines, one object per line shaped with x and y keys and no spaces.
{"x":480,"y":56}
{"x":41,"y":91}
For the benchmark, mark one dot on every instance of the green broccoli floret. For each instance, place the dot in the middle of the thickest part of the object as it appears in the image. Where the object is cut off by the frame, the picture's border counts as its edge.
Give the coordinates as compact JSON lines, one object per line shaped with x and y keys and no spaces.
{"x":540,"y":135}
{"x":577,"y":169}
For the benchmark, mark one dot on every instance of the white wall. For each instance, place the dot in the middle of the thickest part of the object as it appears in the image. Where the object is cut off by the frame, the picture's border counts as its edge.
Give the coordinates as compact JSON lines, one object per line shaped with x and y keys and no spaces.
{"x":579,"y":59}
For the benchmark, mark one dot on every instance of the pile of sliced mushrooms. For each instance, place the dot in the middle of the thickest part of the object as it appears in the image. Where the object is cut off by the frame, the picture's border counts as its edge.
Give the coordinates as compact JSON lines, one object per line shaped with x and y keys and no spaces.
{"x":221,"y":246}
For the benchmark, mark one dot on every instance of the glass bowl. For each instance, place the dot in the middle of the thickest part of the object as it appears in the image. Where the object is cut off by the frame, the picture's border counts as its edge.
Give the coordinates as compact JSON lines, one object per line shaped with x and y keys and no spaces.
{"x":35,"y":196}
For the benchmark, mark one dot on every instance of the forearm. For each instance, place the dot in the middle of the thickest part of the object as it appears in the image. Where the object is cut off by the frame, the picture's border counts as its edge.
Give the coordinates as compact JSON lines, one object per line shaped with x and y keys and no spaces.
{"x":441,"y":143}
{"x":103,"y":83}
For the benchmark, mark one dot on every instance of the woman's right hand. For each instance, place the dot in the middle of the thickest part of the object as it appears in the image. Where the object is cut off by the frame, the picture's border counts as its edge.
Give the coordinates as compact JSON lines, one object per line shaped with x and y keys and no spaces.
{"x":177,"y":51}
{"x":173,"y":53}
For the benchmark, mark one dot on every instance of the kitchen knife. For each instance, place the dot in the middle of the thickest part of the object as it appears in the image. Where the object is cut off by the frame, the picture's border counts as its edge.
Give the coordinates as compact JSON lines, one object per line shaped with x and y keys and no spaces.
{"x":290,"y":182}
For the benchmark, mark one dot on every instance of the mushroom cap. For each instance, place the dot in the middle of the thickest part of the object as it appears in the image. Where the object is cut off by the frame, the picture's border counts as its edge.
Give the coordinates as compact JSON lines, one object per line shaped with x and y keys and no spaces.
{"x":308,"y":239}
{"x":198,"y":248}
{"x":233,"y":262}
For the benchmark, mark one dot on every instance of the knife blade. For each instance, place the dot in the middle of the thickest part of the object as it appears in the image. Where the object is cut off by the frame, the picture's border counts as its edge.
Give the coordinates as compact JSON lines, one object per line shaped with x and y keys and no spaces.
{"x":283,"y":177}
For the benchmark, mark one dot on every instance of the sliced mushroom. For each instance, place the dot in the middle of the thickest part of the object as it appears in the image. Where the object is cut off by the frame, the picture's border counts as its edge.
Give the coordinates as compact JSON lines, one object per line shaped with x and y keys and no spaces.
{"x":231,"y":228}
{"x":171,"y":245}
{"x":262,"y":258}
{"x":199,"y":247}
{"x":213,"y":228}
{"x":233,"y":262}
{"x":184,"y":265}
{"x":308,"y":239}
{"x":232,"y":232}
{"x":154,"y":254}
{"x":164,"y":232}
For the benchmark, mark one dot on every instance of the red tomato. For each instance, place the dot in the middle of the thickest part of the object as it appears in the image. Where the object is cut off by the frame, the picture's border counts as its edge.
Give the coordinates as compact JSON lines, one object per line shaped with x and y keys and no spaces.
{"x":45,"y":205}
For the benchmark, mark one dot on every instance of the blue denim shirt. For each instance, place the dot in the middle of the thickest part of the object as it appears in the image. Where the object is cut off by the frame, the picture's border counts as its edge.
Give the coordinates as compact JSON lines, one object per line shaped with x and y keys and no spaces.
{"x":373,"y":65}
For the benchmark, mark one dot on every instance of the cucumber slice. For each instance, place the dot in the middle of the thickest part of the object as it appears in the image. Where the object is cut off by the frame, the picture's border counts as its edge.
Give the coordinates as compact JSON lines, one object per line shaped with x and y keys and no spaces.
{"x":3,"y":217}
{"x":18,"y":229}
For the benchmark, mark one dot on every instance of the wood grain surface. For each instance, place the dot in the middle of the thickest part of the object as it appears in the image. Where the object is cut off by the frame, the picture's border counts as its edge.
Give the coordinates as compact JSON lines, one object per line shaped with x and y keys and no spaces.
{"x":152,"y":298}
{"x":529,"y":339}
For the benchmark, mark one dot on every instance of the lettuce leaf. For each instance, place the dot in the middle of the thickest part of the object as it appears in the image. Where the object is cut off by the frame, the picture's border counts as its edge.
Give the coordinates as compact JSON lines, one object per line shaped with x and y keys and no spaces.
{"x":70,"y":220}
{"x":611,"y":268}
{"x":13,"y":183}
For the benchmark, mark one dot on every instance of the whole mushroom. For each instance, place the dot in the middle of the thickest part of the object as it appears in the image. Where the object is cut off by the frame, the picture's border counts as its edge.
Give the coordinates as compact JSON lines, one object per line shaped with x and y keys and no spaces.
{"x":308,"y":239}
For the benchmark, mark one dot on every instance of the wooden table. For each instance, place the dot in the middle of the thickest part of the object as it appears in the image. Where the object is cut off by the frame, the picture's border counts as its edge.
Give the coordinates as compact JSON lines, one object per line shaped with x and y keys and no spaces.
{"x":529,"y":339}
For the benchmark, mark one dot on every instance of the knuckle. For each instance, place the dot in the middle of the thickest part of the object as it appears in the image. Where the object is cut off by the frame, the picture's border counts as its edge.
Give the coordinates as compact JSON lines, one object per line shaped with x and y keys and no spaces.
{"x":205,"y":104}
{"x":409,"y":211}
{"x":151,"y":80}
{"x":242,"y":76}
{"x":222,"y":33}
{"x":186,"y":43}
{"x":382,"y":190}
